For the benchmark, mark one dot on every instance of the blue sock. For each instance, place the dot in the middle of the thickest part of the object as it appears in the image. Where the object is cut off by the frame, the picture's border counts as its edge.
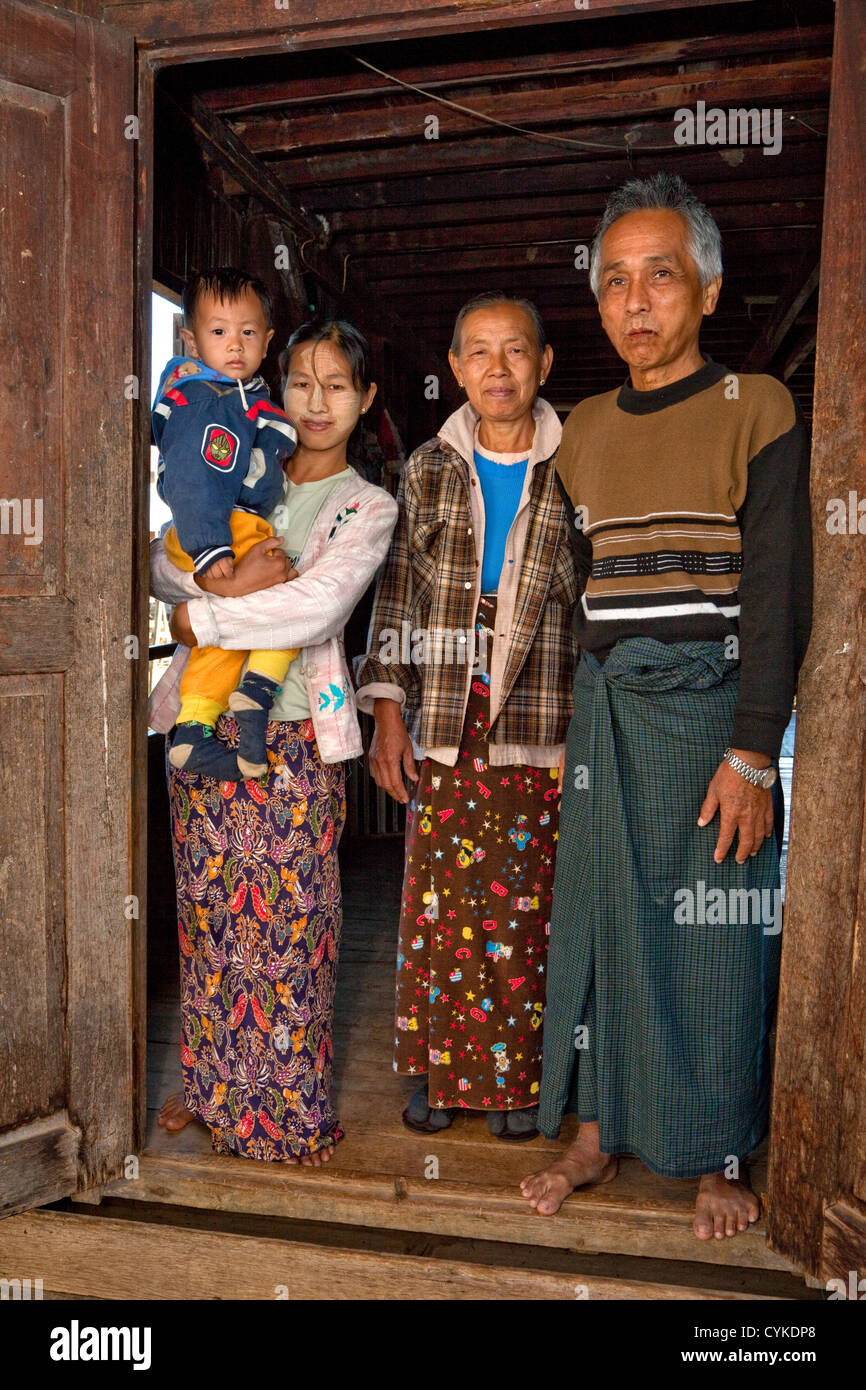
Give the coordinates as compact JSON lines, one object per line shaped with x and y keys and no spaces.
{"x":196,"y":749}
{"x":250,"y":705}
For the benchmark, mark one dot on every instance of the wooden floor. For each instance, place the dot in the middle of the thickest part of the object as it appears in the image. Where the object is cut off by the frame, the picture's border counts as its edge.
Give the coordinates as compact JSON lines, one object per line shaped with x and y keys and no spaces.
{"x":380,"y":1179}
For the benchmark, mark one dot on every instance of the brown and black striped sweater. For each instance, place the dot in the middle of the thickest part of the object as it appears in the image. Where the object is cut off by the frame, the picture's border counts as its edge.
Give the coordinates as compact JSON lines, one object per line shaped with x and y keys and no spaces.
{"x":692,"y":522}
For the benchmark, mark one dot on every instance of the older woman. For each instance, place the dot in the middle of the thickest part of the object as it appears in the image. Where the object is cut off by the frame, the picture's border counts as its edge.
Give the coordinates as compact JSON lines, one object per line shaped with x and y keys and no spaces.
{"x":469,"y":667}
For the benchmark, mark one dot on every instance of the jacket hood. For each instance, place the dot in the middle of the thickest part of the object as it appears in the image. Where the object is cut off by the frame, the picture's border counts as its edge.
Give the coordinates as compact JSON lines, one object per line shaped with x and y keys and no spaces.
{"x":459,"y":431}
{"x":205,"y":373}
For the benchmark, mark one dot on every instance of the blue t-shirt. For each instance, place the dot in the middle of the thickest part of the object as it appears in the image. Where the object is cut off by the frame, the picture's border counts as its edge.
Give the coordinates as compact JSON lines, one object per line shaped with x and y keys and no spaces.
{"x":501,"y":488}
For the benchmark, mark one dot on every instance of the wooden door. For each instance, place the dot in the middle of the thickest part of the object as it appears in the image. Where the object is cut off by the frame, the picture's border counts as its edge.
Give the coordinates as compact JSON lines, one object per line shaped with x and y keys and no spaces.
{"x":817,"y":1175}
{"x":67,"y":668}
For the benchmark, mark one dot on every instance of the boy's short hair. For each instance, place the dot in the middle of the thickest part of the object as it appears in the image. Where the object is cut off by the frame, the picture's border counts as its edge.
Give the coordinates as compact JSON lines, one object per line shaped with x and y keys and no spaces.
{"x":226,"y":283}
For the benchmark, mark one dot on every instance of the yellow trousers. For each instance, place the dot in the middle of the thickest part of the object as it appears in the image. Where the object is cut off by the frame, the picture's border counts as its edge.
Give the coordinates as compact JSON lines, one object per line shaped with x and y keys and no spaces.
{"x":211,"y":674}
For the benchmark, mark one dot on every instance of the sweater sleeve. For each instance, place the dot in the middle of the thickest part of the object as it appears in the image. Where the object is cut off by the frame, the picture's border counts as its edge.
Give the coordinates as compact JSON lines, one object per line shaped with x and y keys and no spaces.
{"x":581,"y":545}
{"x":168,"y":583}
{"x":775,"y":590}
{"x":312,"y":608}
{"x":376,"y":674}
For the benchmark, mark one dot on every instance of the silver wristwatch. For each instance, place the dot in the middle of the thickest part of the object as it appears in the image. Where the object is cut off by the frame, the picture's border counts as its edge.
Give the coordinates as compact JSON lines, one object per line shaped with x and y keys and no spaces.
{"x":758,"y":776}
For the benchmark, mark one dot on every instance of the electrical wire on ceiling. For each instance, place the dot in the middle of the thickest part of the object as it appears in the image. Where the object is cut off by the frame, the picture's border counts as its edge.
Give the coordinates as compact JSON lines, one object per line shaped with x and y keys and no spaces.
{"x":630,"y":141}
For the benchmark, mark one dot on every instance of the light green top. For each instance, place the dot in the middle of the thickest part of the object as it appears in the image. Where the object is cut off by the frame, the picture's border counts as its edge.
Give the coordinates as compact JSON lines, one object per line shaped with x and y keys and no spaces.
{"x":293,"y":519}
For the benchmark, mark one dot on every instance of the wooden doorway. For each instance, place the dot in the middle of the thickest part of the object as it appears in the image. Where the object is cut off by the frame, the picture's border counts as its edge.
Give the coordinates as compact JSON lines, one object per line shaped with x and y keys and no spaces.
{"x":816,"y":1196}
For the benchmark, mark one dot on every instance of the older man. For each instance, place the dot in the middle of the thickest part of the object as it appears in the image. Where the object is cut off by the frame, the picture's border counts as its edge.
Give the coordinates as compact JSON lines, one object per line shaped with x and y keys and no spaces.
{"x":690,"y":492}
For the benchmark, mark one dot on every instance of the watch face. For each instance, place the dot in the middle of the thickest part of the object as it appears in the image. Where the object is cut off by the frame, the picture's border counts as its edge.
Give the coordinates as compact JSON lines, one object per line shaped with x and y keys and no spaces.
{"x":769,"y":776}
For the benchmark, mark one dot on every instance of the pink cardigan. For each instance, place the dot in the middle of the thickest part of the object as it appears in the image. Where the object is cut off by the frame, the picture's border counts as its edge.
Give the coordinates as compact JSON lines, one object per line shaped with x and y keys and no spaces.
{"x":348,"y":542}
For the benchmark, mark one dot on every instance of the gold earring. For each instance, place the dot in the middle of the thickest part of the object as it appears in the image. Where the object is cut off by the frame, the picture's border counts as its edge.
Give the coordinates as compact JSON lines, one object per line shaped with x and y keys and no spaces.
{"x":363,"y":410}
{"x":462,"y":387}
{"x":541,"y":382}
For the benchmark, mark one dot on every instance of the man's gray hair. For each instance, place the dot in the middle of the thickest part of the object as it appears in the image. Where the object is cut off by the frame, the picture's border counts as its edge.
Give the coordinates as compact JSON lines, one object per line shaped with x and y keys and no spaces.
{"x":487,"y":300}
{"x":669,"y":192}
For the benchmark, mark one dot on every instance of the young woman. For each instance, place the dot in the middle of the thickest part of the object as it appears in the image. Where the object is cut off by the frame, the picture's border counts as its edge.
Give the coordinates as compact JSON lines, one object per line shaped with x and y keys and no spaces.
{"x":258,"y":887}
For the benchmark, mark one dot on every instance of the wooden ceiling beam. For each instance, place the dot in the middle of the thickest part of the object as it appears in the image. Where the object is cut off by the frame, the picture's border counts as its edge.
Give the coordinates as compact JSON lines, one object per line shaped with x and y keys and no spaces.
{"x":803,"y":283}
{"x":558,"y":300}
{"x":351,"y":225}
{"x":428,"y":266}
{"x":557,"y":226}
{"x":402,"y":117}
{"x":412,"y":174}
{"x":453,"y":73}
{"x":802,"y":350}
{"x":235,"y":28}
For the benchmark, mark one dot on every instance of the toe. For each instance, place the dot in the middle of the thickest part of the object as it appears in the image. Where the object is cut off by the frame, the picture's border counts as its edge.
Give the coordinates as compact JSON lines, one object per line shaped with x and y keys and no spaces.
{"x":702,"y":1226}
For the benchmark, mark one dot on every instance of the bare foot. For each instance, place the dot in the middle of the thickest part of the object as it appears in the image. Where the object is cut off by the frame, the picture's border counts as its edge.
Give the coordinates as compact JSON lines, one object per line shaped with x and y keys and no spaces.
{"x":582,"y":1163}
{"x":724,"y":1206}
{"x":174,"y":1114}
{"x":317,"y":1159}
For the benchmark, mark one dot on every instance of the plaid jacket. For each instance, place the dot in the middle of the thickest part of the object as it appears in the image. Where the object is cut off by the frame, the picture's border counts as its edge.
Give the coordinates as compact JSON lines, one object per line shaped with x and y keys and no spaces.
{"x":431,"y":580}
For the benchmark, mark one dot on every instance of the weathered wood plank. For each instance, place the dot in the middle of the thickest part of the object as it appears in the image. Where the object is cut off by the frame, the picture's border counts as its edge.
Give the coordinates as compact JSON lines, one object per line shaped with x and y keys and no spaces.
{"x":36,"y":635}
{"x":455,"y":71}
{"x":67,"y":89}
{"x":99,"y":483}
{"x":817,"y":1049}
{"x":31,"y":892}
{"x":407,"y":174}
{"x":843,"y":1247}
{"x":242,"y":26}
{"x":333,"y":1194}
{"x":798,"y":193}
{"x":105,"y":1257}
{"x":38,"y":1163}
{"x":403,"y":115}
{"x":570,"y":223}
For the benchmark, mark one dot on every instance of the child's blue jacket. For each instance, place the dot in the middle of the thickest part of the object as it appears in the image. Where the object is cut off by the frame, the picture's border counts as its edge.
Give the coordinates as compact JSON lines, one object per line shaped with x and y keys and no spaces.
{"x":222,"y":444}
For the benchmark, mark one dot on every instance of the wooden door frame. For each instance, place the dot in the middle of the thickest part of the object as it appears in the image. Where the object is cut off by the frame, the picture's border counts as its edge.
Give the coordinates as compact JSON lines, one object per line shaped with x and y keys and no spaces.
{"x":797,"y":1195}
{"x":67,"y":626}
{"x":819,"y":1105}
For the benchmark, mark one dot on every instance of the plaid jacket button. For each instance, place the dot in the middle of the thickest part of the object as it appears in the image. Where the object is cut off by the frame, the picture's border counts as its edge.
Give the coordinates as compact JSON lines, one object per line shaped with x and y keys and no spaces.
{"x":467,"y":585}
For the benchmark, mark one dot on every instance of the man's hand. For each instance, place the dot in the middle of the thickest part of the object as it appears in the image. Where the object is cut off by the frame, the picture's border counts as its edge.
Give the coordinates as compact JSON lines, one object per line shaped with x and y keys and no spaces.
{"x":744,"y":809}
{"x":391,"y":750}
{"x":264,"y":564}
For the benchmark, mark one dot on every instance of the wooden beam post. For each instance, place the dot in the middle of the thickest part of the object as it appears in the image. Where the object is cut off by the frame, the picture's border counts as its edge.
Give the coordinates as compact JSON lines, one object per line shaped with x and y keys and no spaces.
{"x":804,"y":279}
{"x":818,"y":1108}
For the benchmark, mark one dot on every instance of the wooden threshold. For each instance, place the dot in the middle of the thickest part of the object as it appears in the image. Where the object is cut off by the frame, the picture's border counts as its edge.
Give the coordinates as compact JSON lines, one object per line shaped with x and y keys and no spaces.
{"x":101,"y":1256}
{"x":591,"y":1222}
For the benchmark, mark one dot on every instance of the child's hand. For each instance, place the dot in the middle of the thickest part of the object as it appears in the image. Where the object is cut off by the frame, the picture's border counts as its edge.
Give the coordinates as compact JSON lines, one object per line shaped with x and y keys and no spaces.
{"x":222,"y":569}
{"x":264,"y":564}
